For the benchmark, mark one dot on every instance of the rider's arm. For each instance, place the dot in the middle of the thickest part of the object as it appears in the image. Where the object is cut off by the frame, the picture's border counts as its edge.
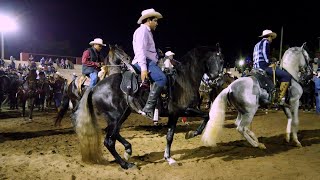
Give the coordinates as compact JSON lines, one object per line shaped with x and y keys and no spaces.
{"x":140,"y":46}
{"x":86,"y":59}
{"x":266,"y":51}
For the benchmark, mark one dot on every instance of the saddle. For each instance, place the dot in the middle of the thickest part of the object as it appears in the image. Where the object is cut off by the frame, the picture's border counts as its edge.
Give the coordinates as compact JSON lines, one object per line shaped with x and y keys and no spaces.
{"x":137,"y":91}
{"x":265,"y":82}
{"x":83,"y":80}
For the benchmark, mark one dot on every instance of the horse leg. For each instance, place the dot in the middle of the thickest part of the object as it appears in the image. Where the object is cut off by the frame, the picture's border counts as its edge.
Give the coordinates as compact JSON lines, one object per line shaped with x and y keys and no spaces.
{"x":172,"y":123}
{"x":238,"y":120}
{"x":245,"y":131}
{"x":31,"y":108}
{"x":293,"y":123}
{"x":112,"y":132}
{"x":127,"y":146}
{"x":23,"y":104}
{"x":199,"y":130}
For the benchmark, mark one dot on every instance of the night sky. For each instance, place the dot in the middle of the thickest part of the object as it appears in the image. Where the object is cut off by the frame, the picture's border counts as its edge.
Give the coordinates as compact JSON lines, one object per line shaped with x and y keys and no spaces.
{"x":66,"y":27}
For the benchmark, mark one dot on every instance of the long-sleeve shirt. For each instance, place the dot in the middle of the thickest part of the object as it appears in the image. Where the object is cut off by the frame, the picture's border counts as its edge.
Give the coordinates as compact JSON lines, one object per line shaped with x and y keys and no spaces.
{"x":86,"y":59}
{"x":261,"y":54}
{"x":143,"y":47}
{"x":317,"y":85}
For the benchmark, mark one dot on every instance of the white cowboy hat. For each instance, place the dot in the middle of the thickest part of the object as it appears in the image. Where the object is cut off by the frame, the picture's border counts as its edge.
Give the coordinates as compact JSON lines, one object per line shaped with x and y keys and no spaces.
{"x":169,"y":53}
{"x":268,"y":32}
{"x":97,"y":41}
{"x":149,"y":13}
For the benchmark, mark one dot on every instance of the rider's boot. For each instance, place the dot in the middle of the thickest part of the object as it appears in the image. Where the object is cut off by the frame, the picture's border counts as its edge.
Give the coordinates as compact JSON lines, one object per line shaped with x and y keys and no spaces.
{"x":283,"y":90}
{"x":152,"y":100}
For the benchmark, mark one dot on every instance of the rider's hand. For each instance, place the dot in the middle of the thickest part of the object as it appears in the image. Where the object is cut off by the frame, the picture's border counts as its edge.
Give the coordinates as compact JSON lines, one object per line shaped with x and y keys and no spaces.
{"x":272,"y":65}
{"x":144,"y":75}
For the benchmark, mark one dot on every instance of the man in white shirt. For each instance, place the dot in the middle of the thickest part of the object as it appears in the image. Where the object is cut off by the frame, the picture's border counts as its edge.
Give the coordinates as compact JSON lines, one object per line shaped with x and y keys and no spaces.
{"x":168,"y":59}
{"x":146,"y":57}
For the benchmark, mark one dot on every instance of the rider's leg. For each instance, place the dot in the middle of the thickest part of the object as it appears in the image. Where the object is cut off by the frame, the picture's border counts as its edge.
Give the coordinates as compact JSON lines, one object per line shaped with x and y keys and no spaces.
{"x":285,"y":78}
{"x":93,"y":79}
{"x":160,"y":81}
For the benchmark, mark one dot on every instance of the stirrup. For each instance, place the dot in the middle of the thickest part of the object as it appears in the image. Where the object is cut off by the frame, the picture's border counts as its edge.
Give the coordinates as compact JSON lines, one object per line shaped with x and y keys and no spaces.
{"x":154,"y":117}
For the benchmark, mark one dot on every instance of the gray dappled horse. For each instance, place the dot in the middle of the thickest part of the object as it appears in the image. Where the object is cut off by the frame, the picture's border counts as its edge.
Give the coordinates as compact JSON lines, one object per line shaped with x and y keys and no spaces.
{"x":245,"y":94}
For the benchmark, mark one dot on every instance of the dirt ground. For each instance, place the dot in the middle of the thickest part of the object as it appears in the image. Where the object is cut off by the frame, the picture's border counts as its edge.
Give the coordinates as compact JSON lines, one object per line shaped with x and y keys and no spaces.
{"x":37,"y":150}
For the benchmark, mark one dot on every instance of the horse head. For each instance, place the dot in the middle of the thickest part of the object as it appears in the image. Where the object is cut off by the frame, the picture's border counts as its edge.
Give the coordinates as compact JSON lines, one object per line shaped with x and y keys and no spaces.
{"x":296,"y":60}
{"x":117,"y":56}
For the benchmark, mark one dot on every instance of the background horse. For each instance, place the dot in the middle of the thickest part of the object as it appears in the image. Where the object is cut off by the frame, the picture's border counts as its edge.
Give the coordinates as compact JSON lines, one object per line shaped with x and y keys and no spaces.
{"x":108,"y":100}
{"x":209,"y":91}
{"x":73,"y":94}
{"x":28,"y":91}
{"x":245,"y":94}
{"x":4,"y":87}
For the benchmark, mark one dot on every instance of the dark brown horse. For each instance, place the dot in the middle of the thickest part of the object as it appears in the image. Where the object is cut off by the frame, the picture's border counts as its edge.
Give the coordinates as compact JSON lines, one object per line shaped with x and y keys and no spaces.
{"x":109,"y":101}
{"x":73,"y":94}
{"x":28,"y":92}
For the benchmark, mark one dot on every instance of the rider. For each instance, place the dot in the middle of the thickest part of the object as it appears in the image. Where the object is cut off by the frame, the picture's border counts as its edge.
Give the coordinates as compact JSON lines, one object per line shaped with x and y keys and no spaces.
{"x":168,"y":59}
{"x":261,"y":58}
{"x":92,"y":60}
{"x":146,"y":57}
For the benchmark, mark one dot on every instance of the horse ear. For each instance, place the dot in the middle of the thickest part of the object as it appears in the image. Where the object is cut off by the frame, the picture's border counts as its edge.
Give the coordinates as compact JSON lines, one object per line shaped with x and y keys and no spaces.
{"x":303,"y":45}
{"x":110,"y":46}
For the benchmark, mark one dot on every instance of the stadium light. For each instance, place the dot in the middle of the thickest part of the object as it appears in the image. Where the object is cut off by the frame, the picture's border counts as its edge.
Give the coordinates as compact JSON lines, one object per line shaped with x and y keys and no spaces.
{"x":7,"y":24}
{"x":241,"y":62}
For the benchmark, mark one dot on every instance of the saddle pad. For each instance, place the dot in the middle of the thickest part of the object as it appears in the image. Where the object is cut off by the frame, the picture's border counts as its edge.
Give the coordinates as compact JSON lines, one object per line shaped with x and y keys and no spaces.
{"x":129,"y":83}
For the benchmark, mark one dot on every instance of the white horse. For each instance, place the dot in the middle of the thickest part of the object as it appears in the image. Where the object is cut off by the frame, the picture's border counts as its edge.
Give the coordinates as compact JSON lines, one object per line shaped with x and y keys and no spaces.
{"x":245,"y":94}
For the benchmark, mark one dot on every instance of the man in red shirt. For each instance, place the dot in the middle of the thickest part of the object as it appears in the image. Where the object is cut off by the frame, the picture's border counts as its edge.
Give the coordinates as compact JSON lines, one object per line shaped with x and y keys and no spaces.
{"x":92,"y":60}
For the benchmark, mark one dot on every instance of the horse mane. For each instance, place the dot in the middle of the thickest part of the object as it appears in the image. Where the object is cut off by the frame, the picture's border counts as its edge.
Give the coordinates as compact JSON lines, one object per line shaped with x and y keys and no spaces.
{"x":190,"y":72}
{"x":293,"y":59}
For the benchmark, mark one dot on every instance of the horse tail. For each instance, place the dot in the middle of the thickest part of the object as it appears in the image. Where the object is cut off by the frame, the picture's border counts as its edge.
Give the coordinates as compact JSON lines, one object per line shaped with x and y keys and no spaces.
{"x":63,"y":108}
{"x":217,"y":117}
{"x":87,"y":130}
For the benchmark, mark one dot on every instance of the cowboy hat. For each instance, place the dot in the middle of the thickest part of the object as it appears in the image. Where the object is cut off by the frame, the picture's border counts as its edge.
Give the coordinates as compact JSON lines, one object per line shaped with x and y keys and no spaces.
{"x":97,"y":41}
{"x":169,"y":53}
{"x":268,"y":32}
{"x":149,"y":13}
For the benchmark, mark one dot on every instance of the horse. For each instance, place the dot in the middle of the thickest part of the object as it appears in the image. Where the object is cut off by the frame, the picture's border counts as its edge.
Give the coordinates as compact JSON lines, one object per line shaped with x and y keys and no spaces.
{"x":28,"y":91}
{"x":246,"y":95}
{"x":43,"y":90}
{"x":210,"y":90}
{"x":72,"y":92}
{"x":5,"y":83}
{"x":107,"y":99}
{"x":307,"y":98}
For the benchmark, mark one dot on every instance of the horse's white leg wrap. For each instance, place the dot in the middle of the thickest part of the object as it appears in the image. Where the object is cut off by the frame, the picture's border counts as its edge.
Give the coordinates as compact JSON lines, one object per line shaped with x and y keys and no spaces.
{"x":288,"y":132}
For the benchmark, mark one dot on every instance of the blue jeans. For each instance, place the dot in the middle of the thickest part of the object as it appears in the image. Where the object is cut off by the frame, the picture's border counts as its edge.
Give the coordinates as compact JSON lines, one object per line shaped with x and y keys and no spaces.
{"x":318,"y":104}
{"x":155,"y":72}
{"x":57,"y":99}
{"x":93,"y":79}
{"x":281,"y":75}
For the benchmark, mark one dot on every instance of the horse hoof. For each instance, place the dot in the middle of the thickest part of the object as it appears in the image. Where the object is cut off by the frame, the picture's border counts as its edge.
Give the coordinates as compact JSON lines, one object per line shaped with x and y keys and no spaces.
{"x":131,"y":166}
{"x":298,"y":144}
{"x":288,"y":137}
{"x":189,"y":135}
{"x":172,"y":162}
{"x":262,"y":146}
{"x":127,"y":156}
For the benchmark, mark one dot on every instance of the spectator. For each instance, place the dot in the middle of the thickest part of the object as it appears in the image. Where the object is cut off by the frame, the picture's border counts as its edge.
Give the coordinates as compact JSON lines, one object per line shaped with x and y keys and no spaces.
{"x":317,"y":92}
